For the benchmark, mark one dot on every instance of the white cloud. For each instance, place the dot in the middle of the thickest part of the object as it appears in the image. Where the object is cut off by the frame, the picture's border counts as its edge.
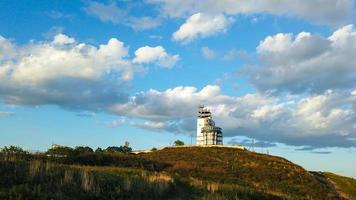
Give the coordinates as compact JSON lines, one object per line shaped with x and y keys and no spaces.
{"x":85,"y":77}
{"x":6,"y":49}
{"x":278,"y":43}
{"x":150,"y":125}
{"x":208,"y":53}
{"x":112,"y":13}
{"x":61,"y":39}
{"x":43,"y":62}
{"x":175,"y":102}
{"x":328,"y":12}
{"x":157,"y":55}
{"x":64,"y":72}
{"x":143,"y":23}
{"x":201,"y":25}
{"x":320,"y":120}
{"x":106,"y":13}
{"x":306,"y":62}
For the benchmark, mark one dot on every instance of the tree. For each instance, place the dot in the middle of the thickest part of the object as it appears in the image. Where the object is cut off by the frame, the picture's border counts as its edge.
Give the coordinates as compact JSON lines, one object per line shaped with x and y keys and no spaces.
{"x":178,"y":143}
{"x":126,"y":149}
{"x":13,"y":150}
{"x":80,"y":150}
{"x":113,"y":149}
{"x":61,"y":150}
{"x":122,"y":149}
{"x":99,"y":150}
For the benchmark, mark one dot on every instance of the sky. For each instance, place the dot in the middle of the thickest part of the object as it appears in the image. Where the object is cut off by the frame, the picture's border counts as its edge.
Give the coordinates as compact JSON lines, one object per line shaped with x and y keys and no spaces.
{"x":279,"y":76}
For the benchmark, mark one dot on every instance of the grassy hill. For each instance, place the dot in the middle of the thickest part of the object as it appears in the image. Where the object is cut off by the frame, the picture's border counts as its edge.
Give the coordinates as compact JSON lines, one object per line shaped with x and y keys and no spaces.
{"x":235,"y":170}
{"x":169,"y":173}
{"x":344,"y":185}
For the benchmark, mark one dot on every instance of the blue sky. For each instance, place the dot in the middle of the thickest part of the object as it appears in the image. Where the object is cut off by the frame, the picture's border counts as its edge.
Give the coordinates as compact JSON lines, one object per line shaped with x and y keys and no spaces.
{"x":99,"y":73}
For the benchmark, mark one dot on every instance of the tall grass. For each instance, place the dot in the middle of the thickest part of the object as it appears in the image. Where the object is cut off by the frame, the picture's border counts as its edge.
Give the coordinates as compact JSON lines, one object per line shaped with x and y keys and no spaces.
{"x":42,"y":180}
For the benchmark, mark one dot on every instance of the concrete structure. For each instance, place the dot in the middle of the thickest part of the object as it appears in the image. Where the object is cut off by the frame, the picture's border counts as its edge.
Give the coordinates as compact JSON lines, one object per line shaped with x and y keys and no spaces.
{"x":207,"y":132}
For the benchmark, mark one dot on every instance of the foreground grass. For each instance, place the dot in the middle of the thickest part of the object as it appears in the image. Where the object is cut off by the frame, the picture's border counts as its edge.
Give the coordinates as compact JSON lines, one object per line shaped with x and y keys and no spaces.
{"x":38,"y":180}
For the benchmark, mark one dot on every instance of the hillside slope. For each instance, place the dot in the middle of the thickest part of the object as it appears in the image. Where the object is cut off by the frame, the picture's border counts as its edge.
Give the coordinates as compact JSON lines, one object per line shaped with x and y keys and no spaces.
{"x":170,"y":173}
{"x":344,"y":185}
{"x":244,"y":170}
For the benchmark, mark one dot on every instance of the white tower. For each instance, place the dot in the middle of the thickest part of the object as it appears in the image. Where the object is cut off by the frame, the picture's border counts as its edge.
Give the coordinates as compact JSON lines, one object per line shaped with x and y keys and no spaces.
{"x":207,"y":132}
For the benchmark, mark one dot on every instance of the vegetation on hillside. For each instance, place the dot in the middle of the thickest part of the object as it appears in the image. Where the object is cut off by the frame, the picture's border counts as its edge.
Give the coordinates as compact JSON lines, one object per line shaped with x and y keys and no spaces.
{"x":178,"y":143}
{"x":170,"y":173}
{"x":38,"y":180}
{"x":346,"y":185}
{"x":244,"y":169}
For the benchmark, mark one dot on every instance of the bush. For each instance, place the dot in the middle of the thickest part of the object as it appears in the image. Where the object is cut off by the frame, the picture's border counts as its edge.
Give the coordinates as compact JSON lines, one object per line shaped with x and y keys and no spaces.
{"x":178,"y":143}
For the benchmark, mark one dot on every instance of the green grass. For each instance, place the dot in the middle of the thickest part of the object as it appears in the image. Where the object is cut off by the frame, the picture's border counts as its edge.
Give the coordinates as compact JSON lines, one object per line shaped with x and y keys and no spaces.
{"x":345,"y":184}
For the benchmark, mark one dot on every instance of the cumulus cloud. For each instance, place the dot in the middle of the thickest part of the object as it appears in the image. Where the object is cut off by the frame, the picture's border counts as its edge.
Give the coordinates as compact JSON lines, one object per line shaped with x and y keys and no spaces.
{"x":321,"y":120}
{"x":201,"y":25}
{"x":86,"y":77}
{"x":329,"y":12}
{"x":63,"y":72}
{"x":157,"y":55}
{"x":72,"y":75}
{"x":62,"y":39}
{"x":112,"y":13}
{"x":306,"y":62}
{"x":6,"y":49}
{"x":175,"y":102}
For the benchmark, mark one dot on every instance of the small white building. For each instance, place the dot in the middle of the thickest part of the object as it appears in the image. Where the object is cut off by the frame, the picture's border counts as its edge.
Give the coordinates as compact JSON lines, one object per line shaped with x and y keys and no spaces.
{"x":207,"y":132}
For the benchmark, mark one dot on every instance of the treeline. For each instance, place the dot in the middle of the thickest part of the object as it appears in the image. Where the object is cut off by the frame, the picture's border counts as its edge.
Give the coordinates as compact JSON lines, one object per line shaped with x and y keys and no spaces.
{"x":111,"y":156}
{"x":47,"y":176}
{"x":13,"y":153}
{"x":82,"y":173}
{"x":68,"y":151}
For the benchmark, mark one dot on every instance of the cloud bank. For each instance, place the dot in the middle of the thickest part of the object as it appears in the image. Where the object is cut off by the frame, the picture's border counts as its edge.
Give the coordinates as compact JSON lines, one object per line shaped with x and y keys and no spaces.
{"x":328,"y":12}
{"x":306,"y":62}
{"x":112,"y":13}
{"x":67,"y":73}
{"x":328,"y":119}
{"x":308,"y":106}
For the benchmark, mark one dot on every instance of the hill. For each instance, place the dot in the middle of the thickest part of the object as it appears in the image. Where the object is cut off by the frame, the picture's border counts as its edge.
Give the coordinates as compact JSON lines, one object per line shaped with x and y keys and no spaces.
{"x":169,"y":173}
{"x":344,"y":185}
{"x":241,"y":171}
